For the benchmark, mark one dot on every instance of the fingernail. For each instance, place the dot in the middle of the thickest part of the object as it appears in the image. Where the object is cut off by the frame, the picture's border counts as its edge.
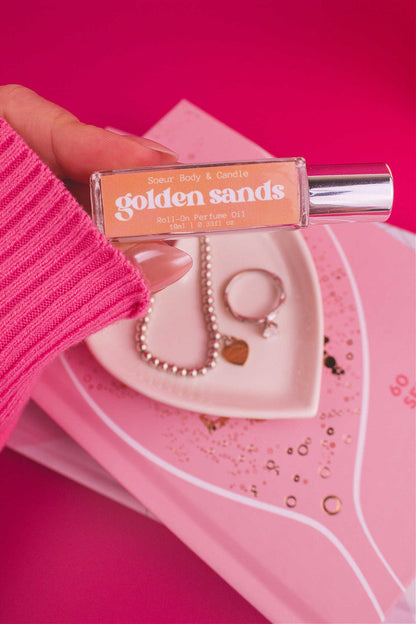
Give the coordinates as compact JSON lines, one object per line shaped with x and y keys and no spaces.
{"x":157,"y":147}
{"x":160,"y":263}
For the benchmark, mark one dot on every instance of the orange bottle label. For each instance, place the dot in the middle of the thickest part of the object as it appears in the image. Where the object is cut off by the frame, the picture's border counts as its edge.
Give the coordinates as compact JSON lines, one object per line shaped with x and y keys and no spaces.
{"x":205,"y":198}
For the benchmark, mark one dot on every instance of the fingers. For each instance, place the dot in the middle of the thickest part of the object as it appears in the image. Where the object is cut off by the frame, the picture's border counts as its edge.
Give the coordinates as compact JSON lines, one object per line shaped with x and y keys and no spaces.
{"x":160,"y":263}
{"x":70,"y":148}
{"x":74,"y":150}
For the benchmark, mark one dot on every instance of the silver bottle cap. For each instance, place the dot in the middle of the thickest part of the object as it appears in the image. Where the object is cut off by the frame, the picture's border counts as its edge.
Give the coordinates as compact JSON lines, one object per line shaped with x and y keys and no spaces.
{"x":362,"y":192}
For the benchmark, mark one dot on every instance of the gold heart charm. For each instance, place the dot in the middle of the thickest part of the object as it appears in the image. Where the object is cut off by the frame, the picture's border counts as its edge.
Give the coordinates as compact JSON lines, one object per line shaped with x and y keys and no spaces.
{"x":235,"y":351}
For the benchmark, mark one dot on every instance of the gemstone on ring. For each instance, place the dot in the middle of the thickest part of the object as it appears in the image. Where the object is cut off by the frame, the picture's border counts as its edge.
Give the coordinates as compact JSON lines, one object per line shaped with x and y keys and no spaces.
{"x":270,"y":329}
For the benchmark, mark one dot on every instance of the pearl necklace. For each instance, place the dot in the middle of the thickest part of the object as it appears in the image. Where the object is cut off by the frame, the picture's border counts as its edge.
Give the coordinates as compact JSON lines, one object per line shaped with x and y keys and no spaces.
{"x":233,"y":350}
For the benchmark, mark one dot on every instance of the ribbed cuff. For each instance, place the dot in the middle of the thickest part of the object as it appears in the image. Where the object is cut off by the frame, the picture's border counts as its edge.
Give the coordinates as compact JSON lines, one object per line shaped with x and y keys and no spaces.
{"x":60,"y":279}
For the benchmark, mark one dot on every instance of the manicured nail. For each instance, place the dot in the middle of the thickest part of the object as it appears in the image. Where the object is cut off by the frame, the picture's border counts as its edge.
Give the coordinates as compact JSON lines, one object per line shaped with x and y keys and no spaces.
{"x":157,"y":147}
{"x":160,"y":263}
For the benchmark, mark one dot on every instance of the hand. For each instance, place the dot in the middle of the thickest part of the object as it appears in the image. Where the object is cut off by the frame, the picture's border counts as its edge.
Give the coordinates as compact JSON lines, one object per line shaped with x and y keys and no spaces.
{"x":74,"y":150}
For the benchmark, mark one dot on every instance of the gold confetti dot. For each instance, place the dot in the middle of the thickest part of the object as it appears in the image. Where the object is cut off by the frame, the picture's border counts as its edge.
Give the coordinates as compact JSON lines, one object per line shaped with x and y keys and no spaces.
{"x":332,"y":504}
{"x":325,"y":472}
{"x":291,"y":501}
{"x":303,"y":449}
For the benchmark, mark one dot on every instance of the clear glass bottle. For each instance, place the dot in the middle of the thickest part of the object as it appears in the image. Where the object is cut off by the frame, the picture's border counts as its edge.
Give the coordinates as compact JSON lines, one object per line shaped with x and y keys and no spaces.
{"x":187,"y":200}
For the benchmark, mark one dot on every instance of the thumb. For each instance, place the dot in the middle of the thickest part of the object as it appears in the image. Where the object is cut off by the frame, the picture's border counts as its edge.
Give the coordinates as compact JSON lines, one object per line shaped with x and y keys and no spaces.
{"x":70,"y":148}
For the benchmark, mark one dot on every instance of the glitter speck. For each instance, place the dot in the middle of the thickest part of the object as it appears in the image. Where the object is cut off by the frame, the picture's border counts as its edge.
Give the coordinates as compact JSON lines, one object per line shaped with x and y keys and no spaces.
{"x":303,"y":450}
{"x":330,"y":361}
{"x":291,"y":501}
{"x":271,"y":465}
{"x":325,"y":472}
{"x":332,"y":504}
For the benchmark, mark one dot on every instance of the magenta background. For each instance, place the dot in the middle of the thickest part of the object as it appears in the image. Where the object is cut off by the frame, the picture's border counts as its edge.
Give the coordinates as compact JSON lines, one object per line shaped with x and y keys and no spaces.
{"x":332,"y":81}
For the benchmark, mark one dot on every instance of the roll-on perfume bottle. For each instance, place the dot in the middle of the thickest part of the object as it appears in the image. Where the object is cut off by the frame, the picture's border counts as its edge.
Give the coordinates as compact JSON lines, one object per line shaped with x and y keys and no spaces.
{"x":188,"y":200}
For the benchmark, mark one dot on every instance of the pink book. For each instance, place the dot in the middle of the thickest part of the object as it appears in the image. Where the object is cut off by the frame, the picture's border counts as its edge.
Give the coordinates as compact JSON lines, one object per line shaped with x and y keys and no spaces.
{"x":310,"y":519}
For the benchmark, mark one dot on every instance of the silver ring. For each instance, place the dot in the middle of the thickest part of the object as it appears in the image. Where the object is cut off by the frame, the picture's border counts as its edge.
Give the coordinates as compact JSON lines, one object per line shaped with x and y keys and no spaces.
{"x":269,"y":327}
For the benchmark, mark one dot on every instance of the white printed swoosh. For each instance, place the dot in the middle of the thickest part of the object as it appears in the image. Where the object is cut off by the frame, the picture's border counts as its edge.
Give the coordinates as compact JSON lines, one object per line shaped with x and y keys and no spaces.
{"x":214,"y":489}
{"x":364,"y":408}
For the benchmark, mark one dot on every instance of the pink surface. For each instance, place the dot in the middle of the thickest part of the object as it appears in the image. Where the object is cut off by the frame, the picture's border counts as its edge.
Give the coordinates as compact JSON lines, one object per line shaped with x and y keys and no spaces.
{"x":271,"y":479}
{"x":332,"y":82}
{"x":70,"y":555}
{"x":214,"y":486}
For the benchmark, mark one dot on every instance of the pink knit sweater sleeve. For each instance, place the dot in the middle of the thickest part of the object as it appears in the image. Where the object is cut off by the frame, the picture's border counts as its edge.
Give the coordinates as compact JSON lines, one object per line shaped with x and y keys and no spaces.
{"x":60,"y":280}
